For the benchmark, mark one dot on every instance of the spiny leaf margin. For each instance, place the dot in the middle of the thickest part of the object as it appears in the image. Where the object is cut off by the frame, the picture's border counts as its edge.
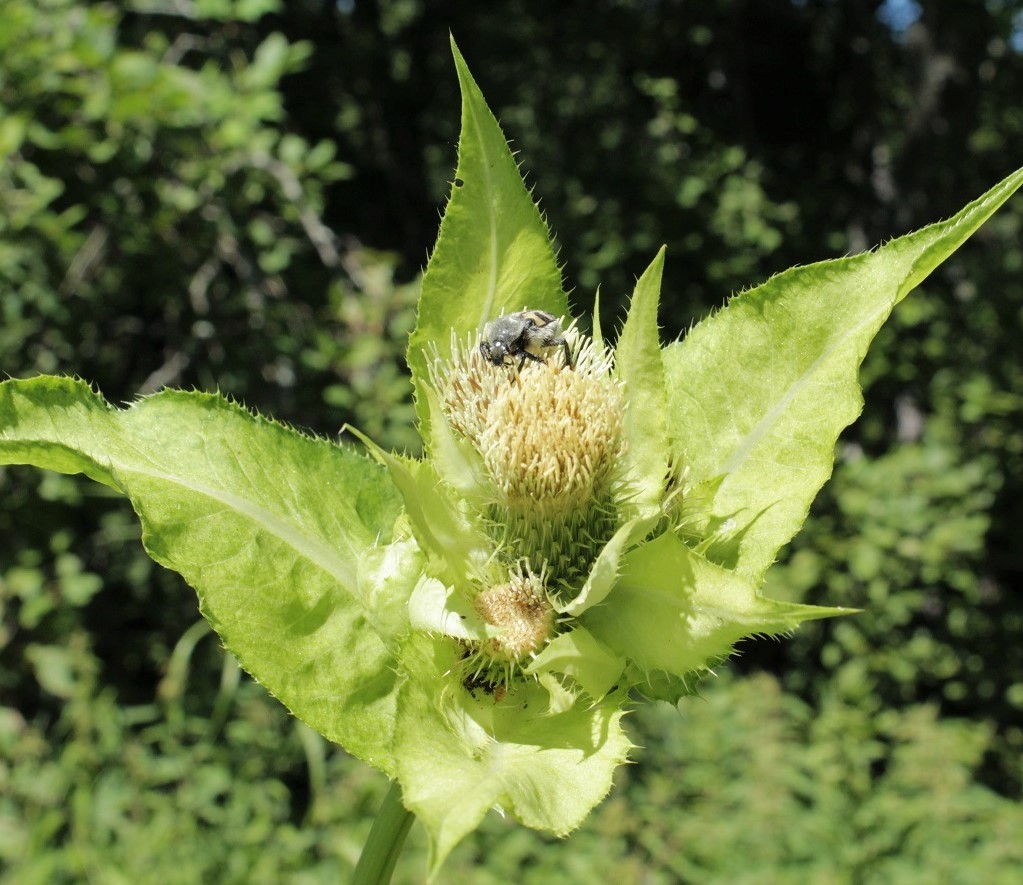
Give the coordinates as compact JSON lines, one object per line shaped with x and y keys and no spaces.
{"x":266,"y":523}
{"x":759,"y":393}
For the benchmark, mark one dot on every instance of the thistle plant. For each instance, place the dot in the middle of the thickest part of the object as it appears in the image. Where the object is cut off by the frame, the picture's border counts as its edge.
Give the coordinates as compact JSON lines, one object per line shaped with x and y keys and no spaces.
{"x":590,"y":525}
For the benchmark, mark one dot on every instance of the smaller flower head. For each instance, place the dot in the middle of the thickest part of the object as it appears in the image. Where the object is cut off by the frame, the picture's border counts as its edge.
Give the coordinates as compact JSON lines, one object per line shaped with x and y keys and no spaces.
{"x":519,"y":612}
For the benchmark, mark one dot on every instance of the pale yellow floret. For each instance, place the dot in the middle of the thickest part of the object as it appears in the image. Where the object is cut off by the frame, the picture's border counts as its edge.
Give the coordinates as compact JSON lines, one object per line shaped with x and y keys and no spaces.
{"x":550,"y":435}
{"x":551,"y":442}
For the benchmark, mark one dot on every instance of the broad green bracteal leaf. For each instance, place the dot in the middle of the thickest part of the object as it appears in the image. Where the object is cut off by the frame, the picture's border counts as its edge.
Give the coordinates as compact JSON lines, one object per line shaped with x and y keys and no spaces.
{"x":759,"y":392}
{"x":439,"y":609}
{"x":578,"y":655}
{"x":458,"y":464}
{"x":267,"y":524}
{"x":638,"y":363}
{"x":456,"y":546}
{"x":604,"y":571}
{"x":459,"y":755}
{"x":493,"y":252}
{"x":673,"y":611}
{"x":385,"y":574}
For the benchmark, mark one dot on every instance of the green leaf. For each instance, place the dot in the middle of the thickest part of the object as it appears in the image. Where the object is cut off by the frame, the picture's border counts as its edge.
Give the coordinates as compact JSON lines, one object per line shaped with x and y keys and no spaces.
{"x":604,"y":570}
{"x":758,"y":394}
{"x":493,"y":252}
{"x":577,"y":654}
{"x":268,"y":525}
{"x":438,"y":609}
{"x":598,"y":335}
{"x":459,"y":551}
{"x":674,"y":611}
{"x":457,"y":463}
{"x":385,"y":574}
{"x":460,"y":756}
{"x":638,"y":363}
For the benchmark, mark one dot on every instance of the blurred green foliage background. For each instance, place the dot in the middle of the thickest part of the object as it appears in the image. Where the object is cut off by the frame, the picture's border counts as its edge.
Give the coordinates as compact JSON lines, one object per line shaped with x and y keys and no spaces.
{"x":239,"y":195}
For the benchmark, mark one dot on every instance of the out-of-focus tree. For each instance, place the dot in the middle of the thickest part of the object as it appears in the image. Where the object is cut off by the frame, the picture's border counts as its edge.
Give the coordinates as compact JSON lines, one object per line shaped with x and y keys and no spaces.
{"x":162,"y":219}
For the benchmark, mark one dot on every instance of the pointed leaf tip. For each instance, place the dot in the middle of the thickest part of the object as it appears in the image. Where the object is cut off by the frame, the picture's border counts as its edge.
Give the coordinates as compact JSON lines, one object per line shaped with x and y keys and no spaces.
{"x":638,"y":363}
{"x":494,"y":253}
{"x":759,"y":392}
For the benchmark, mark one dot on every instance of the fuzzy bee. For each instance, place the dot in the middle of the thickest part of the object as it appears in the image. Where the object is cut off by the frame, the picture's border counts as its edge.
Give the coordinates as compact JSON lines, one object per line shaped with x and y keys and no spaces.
{"x":524,"y":335}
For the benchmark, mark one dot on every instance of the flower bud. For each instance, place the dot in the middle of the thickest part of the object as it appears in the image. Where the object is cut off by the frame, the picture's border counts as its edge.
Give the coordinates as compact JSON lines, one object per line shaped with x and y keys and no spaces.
{"x":520,"y":613}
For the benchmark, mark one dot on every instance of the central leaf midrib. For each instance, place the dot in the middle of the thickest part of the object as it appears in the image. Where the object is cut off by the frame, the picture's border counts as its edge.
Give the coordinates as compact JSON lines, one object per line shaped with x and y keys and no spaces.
{"x":764,"y":426}
{"x":487,"y":311}
{"x":319,"y":553}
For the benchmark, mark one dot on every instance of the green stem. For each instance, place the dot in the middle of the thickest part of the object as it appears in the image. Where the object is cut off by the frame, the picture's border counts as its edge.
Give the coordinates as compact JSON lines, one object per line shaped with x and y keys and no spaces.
{"x":380,"y":853}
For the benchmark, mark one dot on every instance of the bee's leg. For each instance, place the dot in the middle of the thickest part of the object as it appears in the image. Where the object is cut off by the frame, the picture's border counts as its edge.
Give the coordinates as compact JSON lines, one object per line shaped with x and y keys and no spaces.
{"x":568,"y":353}
{"x":526,"y":355}
{"x":561,"y":342}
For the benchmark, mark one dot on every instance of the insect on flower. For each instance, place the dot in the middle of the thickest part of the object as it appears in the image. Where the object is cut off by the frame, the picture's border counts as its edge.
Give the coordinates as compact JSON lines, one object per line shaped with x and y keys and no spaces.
{"x":524,"y":335}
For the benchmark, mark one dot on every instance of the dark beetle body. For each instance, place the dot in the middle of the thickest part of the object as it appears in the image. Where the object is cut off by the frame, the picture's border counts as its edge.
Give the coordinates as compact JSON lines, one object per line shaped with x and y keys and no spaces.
{"x":524,"y":335}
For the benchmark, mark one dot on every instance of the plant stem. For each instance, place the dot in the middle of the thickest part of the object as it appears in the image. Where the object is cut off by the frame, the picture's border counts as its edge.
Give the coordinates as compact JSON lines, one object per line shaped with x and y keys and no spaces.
{"x":380,"y":853}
